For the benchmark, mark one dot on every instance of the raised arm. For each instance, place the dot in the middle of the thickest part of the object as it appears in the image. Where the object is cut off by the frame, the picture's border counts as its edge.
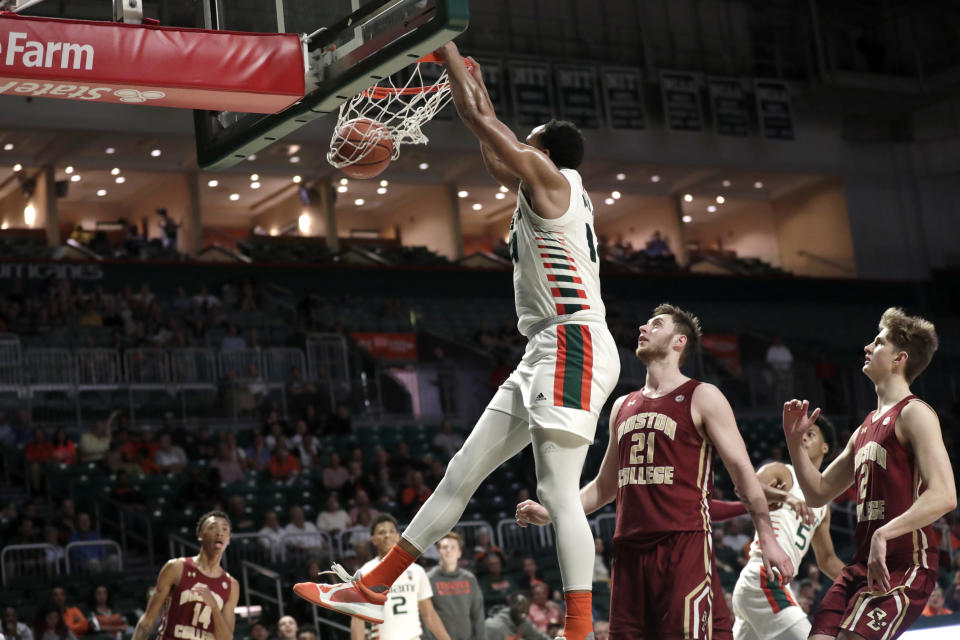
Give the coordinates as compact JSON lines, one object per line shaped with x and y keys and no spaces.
{"x":776,"y":481}
{"x":822,"y":544}
{"x":169,"y":577}
{"x":818,"y":488}
{"x":720,"y":427}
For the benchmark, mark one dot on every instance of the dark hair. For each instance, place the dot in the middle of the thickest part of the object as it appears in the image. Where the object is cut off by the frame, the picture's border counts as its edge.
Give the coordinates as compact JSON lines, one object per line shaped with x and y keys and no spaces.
{"x":383,"y":517}
{"x":93,"y":597}
{"x":214,"y":514}
{"x":685,"y":323}
{"x":40,"y":623}
{"x":564,"y":142}
{"x":829,"y":433}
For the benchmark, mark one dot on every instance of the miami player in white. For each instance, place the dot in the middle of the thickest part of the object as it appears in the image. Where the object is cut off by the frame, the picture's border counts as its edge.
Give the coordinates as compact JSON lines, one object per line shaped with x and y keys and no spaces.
{"x":554,"y":396}
{"x":765,"y":608}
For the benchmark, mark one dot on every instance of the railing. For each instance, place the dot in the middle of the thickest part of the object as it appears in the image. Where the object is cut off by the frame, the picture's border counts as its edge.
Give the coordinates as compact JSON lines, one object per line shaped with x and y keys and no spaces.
{"x":514,"y":538}
{"x":29,"y":560}
{"x":827,"y":261}
{"x":604,"y":525}
{"x":126,"y":516}
{"x":180,"y":547}
{"x":94,"y":565}
{"x":276,"y":598}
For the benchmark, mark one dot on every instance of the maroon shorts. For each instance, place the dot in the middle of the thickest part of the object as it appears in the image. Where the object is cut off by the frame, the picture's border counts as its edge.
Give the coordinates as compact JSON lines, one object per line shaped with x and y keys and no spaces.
{"x":664,"y":588}
{"x":872,"y":614}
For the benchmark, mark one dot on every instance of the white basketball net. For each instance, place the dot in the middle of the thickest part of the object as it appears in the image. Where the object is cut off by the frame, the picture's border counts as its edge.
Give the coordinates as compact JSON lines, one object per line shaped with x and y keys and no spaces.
{"x":401,"y":108}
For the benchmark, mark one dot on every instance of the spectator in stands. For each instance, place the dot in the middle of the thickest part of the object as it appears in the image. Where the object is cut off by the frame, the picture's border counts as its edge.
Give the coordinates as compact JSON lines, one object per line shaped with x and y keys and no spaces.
{"x":125,"y":493}
{"x":227,"y":465}
{"x":335,"y":475}
{"x":256,"y":385}
{"x":287,"y":628}
{"x":12,"y":436}
{"x":64,"y":451}
{"x":102,"y":616}
{"x":512,"y":622}
{"x":303,"y":533}
{"x":26,"y":532}
{"x":952,"y":598}
{"x":456,"y":593}
{"x":169,"y":457}
{"x":284,"y":466}
{"x":93,"y":558}
{"x":95,"y":443}
{"x":935,"y":605}
{"x":205,"y":299}
{"x":12,"y":628}
{"x":340,"y":423}
{"x":601,"y":571}
{"x":494,"y":584}
{"x":447,"y":441}
{"x":258,"y":453}
{"x":275,"y":431}
{"x":204,"y":444}
{"x":259,"y":631}
{"x":240,"y":520}
{"x":483,"y":545}
{"x":657,"y":246}
{"x":170,"y":229}
{"x":65,"y":519}
{"x":358,"y":480}
{"x":54,"y":553}
{"x":333,"y":517}
{"x":543,"y":611}
{"x":601,"y":630}
{"x":780,"y":361}
{"x":530,"y":574}
{"x":308,"y":448}
{"x":50,"y":625}
{"x":71,"y":617}
{"x":299,"y":392}
{"x":733,"y":537}
{"x":38,"y":452}
{"x":306,"y":634}
{"x":233,"y":341}
{"x":271,"y":534}
{"x":414,"y":494}
{"x":362,"y":510}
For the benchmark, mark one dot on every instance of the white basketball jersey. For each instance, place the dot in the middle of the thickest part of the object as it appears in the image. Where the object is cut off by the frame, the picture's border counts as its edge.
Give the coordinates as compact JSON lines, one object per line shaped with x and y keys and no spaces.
{"x":556,"y":265}
{"x":793,"y":535}
{"x":401,"y":612}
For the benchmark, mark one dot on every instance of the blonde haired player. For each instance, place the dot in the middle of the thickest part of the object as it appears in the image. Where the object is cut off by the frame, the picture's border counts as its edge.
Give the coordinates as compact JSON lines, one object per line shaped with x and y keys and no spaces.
{"x":764,"y":605}
{"x":554,"y":396}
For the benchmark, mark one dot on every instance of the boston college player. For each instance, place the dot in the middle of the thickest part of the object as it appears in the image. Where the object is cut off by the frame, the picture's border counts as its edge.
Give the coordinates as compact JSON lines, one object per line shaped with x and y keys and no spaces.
{"x":199,"y":595}
{"x":904,"y":483}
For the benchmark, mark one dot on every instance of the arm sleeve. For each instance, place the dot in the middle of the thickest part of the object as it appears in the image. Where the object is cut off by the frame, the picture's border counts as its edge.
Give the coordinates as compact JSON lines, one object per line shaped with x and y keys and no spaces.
{"x":726,"y":509}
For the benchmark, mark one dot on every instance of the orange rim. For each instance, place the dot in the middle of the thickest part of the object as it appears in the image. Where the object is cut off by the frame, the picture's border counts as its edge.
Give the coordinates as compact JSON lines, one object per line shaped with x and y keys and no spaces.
{"x":380,"y":93}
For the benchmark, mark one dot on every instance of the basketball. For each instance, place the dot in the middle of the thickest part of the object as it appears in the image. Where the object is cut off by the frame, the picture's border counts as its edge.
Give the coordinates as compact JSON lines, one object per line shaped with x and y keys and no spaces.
{"x":365,"y":144}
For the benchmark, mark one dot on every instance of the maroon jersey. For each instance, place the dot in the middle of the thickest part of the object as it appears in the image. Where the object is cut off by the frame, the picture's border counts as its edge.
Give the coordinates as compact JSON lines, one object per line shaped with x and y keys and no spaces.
{"x":187,"y":617}
{"x":888,"y":482}
{"x":666,"y":468}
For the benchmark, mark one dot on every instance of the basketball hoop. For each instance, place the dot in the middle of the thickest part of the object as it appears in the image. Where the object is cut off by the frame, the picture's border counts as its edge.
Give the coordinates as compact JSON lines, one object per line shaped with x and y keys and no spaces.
{"x":397,"y":112}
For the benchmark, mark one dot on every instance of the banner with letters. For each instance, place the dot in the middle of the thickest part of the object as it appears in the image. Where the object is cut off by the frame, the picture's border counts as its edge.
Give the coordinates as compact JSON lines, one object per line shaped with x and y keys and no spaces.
{"x":681,"y":100}
{"x":531,"y":87}
{"x":579,"y":95}
{"x":774,"y":109}
{"x":623,"y":98}
{"x":387,"y":346}
{"x":728,"y":102}
{"x":493,"y":80}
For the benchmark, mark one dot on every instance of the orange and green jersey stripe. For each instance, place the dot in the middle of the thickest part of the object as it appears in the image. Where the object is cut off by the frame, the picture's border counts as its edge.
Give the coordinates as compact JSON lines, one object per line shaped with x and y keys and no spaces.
{"x":772,"y":587}
{"x":573,"y":376}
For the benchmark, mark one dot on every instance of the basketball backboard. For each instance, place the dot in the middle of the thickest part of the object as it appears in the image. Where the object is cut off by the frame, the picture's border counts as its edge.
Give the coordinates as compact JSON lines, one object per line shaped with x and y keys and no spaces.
{"x":349,"y":45}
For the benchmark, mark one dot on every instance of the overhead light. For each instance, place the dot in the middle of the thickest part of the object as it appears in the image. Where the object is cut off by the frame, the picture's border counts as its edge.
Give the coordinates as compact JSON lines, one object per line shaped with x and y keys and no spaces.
{"x":609,"y":201}
{"x":75,"y":177}
{"x":688,"y":198}
{"x":726,"y":183}
{"x":254,"y":177}
{"x":477,"y":206}
{"x":297,"y":179}
{"x":292,"y":149}
{"x":687,"y":219}
{"x":294,"y":159}
{"x":423,"y":166}
{"x":101,"y":192}
{"x":344,"y":181}
{"x":156,"y":153}
{"x":384,"y":183}
{"x":115,"y":171}
{"x":721,"y":199}
{"x":654,"y":178}
{"x":621,"y":176}
{"x":462,"y":194}
{"x":254,"y":185}
{"x":8,"y":146}
{"x":17,"y":167}
{"x":712,"y":208}
{"x":110,"y":151}
{"x":213,"y":183}
{"x":359,"y":202}
{"x":120,"y":179}
{"x":381,"y":190}
{"x":758,"y":185}
{"x":251,"y":157}
{"x":303,"y":222}
{"x":615,"y":195}
{"x":503,"y":189}
{"x":4,"y":226}
{"x":500,"y":196}
{"x":29,"y":215}
{"x":234,"y":196}
{"x":342,"y":188}
{"x":274,"y":231}
{"x":68,"y":170}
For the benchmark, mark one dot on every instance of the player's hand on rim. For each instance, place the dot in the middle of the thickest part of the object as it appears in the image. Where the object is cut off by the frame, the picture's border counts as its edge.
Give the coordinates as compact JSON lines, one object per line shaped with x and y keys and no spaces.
{"x":878,"y":576}
{"x":795,"y":418}
{"x":532,"y":512}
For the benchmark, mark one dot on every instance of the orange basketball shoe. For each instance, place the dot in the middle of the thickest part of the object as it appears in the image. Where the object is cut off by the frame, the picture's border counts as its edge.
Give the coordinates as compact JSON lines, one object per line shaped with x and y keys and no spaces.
{"x":349,"y":597}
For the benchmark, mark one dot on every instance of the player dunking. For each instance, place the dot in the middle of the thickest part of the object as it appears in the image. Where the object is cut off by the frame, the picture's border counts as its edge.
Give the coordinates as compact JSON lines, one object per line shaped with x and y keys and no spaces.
{"x":659,"y":467}
{"x":765,"y":607}
{"x":569,"y":367}
{"x":904,"y":483}
{"x":196,"y":595}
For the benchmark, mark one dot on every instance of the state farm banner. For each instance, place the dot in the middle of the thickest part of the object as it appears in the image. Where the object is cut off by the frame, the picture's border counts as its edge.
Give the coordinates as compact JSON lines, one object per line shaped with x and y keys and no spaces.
{"x":388,"y":346}
{"x":147,"y":64}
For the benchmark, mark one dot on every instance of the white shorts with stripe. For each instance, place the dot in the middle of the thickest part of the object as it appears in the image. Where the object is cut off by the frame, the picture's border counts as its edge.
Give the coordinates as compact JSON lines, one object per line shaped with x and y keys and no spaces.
{"x":564,"y":378}
{"x":766,"y":609}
